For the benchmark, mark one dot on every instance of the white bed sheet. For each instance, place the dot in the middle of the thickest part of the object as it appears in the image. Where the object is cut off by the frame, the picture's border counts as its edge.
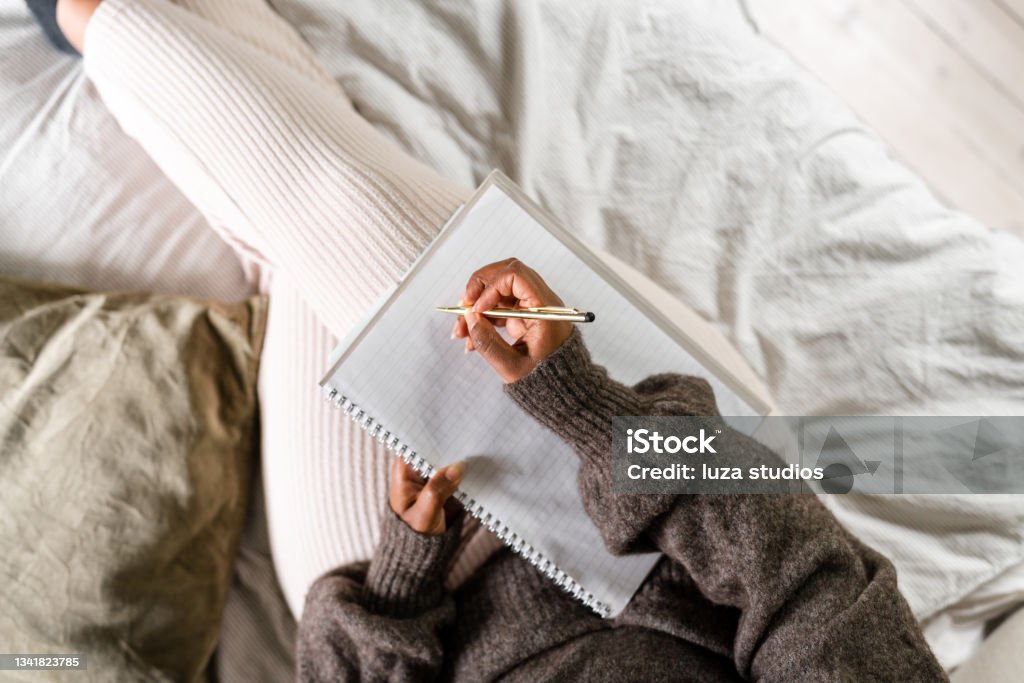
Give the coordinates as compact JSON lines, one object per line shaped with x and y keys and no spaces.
{"x":667,"y":133}
{"x":675,"y":137}
{"x":80,"y":202}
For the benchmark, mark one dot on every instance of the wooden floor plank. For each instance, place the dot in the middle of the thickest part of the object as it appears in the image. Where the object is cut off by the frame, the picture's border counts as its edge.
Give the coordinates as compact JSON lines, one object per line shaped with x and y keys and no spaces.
{"x":912,"y":95}
{"x":1014,"y":8}
{"x":981,"y":114}
{"x":985,"y":35}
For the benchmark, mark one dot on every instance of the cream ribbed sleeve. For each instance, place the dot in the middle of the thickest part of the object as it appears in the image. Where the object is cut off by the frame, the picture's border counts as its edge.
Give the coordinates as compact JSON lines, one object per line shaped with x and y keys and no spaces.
{"x":267,"y":146}
{"x":233,"y":106}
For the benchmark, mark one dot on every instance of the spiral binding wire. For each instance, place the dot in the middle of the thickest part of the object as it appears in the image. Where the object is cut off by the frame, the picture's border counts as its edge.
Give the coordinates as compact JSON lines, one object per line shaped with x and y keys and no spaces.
{"x":494,"y":525}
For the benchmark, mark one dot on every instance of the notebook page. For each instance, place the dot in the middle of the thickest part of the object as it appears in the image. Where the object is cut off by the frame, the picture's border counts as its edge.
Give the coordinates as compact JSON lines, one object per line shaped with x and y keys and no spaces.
{"x":408,"y":374}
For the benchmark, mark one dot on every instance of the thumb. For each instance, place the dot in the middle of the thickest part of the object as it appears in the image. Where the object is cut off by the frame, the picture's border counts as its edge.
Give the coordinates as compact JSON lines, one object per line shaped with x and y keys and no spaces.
{"x":490,"y":344}
{"x":427,"y":514}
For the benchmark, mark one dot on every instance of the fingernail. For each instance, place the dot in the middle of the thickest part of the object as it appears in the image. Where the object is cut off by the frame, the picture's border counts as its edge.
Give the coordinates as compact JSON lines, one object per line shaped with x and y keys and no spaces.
{"x":471,"y":318}
{"x":454,"y":471}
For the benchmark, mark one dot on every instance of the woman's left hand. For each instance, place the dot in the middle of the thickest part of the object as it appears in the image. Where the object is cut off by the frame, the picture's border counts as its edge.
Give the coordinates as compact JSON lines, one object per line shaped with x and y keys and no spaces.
{"x":426,"y":506}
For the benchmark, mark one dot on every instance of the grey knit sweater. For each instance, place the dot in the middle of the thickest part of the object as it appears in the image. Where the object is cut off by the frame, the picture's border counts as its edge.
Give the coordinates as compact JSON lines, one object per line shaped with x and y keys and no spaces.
{"x":754,"y":587}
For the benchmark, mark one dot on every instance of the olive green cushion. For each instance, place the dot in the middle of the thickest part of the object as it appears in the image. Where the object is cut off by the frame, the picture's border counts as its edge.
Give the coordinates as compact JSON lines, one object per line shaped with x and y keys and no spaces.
{"x":126,"y":438}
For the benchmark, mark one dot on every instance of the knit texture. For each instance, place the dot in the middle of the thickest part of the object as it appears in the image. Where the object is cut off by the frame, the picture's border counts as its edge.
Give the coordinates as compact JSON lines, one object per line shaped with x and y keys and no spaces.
{"x":305,"y":192}
{"x":407,"y":581}
{"x":751,"y":587}
{"x":326,"y":212}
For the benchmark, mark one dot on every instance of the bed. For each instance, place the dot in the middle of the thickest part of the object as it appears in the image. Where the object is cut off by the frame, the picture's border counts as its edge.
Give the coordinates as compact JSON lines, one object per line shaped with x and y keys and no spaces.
{"x":670,"y":134}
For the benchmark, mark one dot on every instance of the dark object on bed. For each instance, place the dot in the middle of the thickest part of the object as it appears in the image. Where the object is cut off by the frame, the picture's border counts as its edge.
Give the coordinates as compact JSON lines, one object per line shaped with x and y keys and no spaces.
{"x":45,"y":12}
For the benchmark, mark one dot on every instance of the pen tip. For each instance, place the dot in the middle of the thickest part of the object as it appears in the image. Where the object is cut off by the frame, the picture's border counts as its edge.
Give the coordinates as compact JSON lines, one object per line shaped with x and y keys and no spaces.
{"x":590,"y":317}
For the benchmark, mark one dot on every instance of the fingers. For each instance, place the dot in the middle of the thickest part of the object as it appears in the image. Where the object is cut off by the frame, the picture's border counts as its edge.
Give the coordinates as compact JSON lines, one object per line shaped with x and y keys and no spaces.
{"x":461,"y":330}
{"x":517,"y":327}
{"x":506,"y":284}
{"x":489,"y":343}
{"x":510,"y":282}
{"x":427,"y":513}
{"x":515,"y":281}
{"x":404,"y":485}
{"x":479,"y":279}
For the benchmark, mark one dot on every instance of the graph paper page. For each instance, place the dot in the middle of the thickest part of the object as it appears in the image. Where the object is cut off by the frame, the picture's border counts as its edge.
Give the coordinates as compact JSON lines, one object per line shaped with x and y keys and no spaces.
{"x":409,"y":375}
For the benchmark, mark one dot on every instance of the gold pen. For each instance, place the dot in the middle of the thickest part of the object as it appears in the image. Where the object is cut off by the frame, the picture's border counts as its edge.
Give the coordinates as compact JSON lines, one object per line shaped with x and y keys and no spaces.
{"x":569,"y":315}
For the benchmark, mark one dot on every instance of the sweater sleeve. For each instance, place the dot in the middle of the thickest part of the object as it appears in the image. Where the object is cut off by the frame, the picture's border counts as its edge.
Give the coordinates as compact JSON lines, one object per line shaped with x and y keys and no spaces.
{"x":815,"y":603}
{"x":383,"y":620}
{"x":232,"y":105}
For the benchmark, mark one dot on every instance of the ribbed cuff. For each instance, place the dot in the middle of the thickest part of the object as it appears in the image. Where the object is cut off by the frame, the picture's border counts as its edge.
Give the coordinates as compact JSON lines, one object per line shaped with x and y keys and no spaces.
{"x":407,"y":573}
{"x":572,"y":396}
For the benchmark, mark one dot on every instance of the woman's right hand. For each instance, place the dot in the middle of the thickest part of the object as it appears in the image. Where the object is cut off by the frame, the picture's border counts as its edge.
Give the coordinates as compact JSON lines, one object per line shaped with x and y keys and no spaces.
{"x":510,"y":284}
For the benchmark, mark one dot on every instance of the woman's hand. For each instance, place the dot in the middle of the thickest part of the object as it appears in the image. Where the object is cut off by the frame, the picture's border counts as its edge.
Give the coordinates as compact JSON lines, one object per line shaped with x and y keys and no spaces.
{"x":510,"y":284}
{"x":426,"y":506}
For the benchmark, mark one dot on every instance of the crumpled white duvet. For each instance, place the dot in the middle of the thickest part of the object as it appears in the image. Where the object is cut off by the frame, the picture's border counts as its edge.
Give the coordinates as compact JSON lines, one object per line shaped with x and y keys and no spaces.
{"x":672,"y":135}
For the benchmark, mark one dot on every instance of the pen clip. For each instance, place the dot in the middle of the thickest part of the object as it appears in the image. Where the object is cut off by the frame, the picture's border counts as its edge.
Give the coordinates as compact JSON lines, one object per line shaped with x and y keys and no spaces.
{"x":552,"y":309}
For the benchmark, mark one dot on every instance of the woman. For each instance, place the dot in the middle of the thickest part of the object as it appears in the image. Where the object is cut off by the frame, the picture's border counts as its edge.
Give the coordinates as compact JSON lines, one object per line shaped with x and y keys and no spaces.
{"x":751,"y":587}
{"x":234,"y":107}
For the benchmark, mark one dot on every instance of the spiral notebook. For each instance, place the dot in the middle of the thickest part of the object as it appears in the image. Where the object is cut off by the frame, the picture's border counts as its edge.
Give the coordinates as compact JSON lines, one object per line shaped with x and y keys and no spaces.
{"x":402,"y":378}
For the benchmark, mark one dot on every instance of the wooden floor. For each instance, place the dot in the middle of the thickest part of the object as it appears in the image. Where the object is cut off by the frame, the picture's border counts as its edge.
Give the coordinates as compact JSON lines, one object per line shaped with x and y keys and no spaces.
{"x":941,"y":81}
